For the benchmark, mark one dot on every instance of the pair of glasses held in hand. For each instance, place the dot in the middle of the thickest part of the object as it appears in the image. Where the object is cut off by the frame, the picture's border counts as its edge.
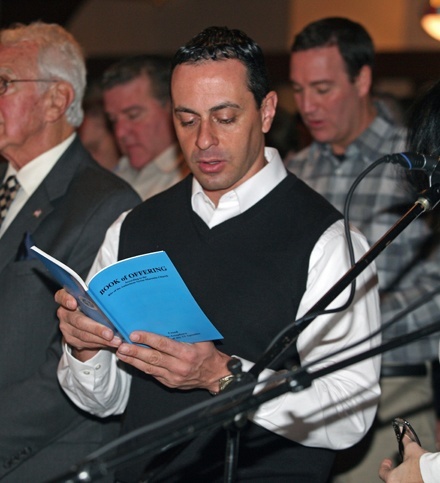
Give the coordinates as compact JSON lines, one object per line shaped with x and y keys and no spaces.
{"x":403,"y":428}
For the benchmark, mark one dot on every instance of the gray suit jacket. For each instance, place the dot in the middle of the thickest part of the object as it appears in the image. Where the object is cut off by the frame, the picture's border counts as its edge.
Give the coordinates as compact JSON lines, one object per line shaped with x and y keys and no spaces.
{"x":41,"y":432}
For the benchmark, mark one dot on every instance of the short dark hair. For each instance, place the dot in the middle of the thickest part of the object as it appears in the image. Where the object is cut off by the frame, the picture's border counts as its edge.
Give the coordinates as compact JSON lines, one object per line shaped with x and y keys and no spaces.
{"x":222,"y":43}
{"x":156,"y":68}
{"x":353,"y":41}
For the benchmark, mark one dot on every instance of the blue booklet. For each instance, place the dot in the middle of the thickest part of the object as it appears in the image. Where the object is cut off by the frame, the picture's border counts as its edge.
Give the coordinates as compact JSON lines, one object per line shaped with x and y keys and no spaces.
{"x":144,"y":292}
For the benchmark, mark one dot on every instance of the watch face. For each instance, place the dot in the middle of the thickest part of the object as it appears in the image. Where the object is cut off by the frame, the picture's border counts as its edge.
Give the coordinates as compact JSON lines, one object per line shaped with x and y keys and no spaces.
{"x":225,"y":381}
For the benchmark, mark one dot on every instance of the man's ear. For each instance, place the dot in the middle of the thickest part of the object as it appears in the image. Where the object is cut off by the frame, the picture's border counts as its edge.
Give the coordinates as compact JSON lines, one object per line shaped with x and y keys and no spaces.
{"x":268,"y":109}
{"x":364,"y":80}
{"x":59,"y":96}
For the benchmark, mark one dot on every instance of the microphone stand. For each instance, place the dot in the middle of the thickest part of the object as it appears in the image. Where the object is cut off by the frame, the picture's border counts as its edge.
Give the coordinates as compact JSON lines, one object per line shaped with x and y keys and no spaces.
{"x":426,"y":201}
{"x":231,"y":407}
{"x":215,"y":413}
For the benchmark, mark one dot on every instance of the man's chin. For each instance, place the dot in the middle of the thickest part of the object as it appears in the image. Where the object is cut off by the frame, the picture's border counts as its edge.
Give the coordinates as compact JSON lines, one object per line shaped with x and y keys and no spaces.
{"x":321,"y":136}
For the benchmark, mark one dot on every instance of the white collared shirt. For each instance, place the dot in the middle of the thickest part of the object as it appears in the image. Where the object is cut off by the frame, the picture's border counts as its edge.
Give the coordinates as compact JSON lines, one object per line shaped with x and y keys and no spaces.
{"x":337,"y":410}
{"x":241,"y":198}
{"x":158,"y":175}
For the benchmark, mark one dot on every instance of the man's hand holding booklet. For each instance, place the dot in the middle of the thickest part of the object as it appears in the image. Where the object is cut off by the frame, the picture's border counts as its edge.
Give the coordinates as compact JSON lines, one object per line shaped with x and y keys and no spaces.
{"x":144,"y":292}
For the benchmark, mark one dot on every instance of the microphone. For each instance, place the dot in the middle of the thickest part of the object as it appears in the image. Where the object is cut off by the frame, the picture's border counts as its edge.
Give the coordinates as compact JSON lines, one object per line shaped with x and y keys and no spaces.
{"x":415,"y":161}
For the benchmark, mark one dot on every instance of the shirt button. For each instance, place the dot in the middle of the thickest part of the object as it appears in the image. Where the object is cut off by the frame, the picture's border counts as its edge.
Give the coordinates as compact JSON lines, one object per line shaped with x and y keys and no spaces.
{"x":97,"y":367}
{"x":87,"y":373}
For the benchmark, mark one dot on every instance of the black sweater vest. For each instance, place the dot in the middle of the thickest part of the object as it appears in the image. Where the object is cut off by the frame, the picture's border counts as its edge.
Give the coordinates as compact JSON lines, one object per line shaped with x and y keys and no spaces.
{"x":248,"y":274}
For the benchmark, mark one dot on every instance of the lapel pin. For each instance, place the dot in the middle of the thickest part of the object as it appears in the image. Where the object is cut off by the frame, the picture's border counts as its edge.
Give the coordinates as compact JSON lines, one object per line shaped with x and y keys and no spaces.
{"x":37,"y":213}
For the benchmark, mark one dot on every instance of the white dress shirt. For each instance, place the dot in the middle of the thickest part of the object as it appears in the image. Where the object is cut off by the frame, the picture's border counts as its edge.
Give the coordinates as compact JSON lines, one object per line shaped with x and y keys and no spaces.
{"x":337,"y":410}
{"x":158,"y":175}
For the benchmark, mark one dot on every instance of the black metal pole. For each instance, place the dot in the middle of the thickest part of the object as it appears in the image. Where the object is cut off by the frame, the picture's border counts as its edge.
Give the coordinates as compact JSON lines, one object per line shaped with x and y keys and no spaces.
{"x":429,"y":200}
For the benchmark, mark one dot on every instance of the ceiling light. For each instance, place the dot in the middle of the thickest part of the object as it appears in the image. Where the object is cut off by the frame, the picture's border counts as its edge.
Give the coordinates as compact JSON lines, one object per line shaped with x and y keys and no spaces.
{"x":431,"y":19}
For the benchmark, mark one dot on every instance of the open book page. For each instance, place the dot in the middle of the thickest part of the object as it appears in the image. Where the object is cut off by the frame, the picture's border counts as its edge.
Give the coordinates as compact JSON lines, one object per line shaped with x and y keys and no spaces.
{"x":75,"y":285}
{"x":145,"y":292}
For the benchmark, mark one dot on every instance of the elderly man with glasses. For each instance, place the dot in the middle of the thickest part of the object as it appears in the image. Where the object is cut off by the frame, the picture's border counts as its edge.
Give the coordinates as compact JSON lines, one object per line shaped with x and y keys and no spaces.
{"x":55,"y":195}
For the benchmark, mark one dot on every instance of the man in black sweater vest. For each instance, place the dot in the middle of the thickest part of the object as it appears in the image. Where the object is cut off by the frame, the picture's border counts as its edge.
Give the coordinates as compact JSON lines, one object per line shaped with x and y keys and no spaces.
{"x":257,"y":249}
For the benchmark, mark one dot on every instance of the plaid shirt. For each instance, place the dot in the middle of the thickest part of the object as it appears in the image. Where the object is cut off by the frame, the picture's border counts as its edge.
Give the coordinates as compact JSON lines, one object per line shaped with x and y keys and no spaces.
{"x":405,"y":271}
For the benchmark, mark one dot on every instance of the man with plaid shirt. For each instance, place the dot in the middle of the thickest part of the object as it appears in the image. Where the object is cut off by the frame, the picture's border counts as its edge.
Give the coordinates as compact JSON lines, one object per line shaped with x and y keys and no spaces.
{"x":331,"y":71}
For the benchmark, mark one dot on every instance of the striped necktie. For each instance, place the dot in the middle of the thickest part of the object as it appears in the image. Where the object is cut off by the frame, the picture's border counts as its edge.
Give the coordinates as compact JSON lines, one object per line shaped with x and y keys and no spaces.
{"x":8,"y":190}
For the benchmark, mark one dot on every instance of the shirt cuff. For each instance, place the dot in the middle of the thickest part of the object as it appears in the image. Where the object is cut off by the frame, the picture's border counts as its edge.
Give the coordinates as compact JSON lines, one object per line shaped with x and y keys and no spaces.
{"x":430,"y":467}
{"x":83,"y":370}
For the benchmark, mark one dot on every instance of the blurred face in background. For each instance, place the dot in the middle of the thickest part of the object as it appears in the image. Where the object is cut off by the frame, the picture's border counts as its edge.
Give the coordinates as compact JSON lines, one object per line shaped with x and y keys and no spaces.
{"x":98,"y":139}
{"x":142,"y":124}
{"x":334,"y":108}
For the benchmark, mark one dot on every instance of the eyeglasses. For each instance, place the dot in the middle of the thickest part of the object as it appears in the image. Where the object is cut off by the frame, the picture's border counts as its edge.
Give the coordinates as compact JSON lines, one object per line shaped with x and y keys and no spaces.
{"x":4,"y":83}
{"x":403,"y":428}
